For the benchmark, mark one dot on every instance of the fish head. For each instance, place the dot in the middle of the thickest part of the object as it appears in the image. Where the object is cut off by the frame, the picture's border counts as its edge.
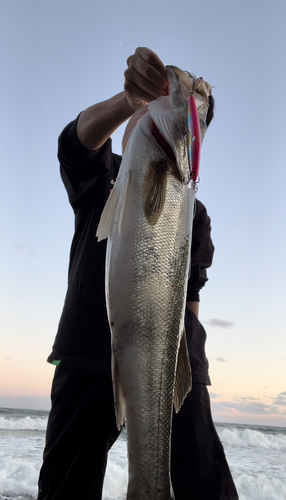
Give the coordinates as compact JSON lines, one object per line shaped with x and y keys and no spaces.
{"x":182,"y":85}
{"x":169,"y":114}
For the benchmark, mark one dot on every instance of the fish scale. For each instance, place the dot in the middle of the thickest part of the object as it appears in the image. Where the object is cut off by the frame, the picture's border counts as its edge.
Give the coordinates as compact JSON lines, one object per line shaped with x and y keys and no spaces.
{"x":147,"y":269}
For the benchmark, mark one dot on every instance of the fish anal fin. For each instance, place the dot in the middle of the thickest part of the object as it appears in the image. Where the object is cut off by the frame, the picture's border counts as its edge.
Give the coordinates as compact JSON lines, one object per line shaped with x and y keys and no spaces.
{"x":119,"y":398}
{"x":155,"y":186}
{"x":183,"y":381}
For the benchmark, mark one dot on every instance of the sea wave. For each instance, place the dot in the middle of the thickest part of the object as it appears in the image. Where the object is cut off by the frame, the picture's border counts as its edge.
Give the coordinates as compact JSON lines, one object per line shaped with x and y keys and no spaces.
{"x":260,"y":486}
{"x":258,"y":474}
{"x":253,"y":438}
{"x":24,"y":423}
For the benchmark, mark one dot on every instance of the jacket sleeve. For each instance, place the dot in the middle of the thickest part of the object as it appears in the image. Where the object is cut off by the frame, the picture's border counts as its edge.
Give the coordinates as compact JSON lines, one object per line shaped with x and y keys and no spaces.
{"x":79,"y":167}
{"x":202,"y":251}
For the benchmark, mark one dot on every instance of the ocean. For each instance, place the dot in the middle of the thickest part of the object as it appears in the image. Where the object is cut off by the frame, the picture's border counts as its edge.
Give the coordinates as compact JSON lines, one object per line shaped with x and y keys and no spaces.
{"x":256,"y":456}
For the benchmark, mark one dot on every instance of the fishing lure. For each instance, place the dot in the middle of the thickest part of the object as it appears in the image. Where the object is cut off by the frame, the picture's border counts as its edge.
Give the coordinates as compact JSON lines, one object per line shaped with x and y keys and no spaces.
{"x":194,"y":138}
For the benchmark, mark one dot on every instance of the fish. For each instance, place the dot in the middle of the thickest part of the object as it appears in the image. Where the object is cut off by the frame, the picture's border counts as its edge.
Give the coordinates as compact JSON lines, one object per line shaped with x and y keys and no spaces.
{"x":148,"y":222}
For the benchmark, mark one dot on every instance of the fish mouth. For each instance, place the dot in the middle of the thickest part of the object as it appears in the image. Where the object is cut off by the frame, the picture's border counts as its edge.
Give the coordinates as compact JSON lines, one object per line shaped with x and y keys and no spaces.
{"x":186,"y":80}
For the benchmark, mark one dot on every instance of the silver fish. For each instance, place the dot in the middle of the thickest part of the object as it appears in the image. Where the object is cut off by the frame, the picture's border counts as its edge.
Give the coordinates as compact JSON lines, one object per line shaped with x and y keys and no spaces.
{"x":148,"y":222}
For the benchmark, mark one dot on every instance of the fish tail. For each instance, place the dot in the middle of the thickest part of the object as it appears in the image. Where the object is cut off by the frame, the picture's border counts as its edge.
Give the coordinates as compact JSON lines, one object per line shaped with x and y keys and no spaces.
{"x":154,"y":193}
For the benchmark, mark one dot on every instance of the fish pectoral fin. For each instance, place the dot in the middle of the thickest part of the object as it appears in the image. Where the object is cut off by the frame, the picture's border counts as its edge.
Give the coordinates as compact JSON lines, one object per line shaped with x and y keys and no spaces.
{"x":116,"y":202}
{"x":119,"y":398}
{"x":107,"y":216}
{"x":155,"y":186}
{"x":183,"y":381}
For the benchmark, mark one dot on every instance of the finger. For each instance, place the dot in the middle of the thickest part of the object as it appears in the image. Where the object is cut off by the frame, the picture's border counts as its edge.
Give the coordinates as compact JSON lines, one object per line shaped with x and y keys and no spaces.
{"x":138,"y":68}
{"x":149,"y":57}
{"x":139,"y":87}
{"x":146,"y":64}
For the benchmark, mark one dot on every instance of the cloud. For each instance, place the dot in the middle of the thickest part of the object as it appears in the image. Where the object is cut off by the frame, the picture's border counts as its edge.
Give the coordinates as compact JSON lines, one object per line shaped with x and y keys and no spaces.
{"x":280,"y":400}
{"x":22,"y":249}
{"x":222,"y":360}
{"x":25,"y":402}
{"x":220,"y":323}
{"x":245,"y":407}
{"x":245,"y":399}
{"x":248,"y":405}
{"x":257,"y":408}
{"x":213,"y":395}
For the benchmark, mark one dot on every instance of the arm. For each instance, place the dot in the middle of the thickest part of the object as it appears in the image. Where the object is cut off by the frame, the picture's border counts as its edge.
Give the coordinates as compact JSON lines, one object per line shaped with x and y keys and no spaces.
{"x":145,"y":80}
{"x":201,"y":256}
{"x":194,"y":306}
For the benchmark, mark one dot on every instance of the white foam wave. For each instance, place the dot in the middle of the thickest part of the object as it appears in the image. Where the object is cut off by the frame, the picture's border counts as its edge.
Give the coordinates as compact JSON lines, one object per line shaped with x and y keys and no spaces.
{"x":253,"y":438}
{"x":260,"y":487}
{"x":21,"y":497}
{"x":256,"y":459}
{"x":115,"y":481}
{"x":18,"y":477}
{"x":25,"y":423}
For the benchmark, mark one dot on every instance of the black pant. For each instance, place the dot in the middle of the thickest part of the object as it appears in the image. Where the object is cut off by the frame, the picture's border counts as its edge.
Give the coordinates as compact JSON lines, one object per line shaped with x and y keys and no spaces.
{"x":82,"y":428}
{"x":199,"y":468}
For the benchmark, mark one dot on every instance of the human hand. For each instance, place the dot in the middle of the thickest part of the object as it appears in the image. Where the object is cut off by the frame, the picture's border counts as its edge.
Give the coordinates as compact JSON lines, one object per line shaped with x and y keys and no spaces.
{"x":145,"y":78}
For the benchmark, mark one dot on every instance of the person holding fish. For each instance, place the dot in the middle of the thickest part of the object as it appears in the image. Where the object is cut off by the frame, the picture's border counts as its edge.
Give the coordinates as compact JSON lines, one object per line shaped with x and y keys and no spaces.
{"x":184,"y":458}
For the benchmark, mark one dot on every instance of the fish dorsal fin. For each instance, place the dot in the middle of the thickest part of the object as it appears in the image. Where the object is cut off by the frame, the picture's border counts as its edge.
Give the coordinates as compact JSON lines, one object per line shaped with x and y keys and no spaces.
{"x":115,"y":202}
{"x":119,"y":398}
{"x":154,"y":193}
{"x":183,"y":381}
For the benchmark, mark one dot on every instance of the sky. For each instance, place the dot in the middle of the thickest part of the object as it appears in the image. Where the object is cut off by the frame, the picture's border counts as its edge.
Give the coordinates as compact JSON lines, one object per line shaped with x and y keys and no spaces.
{"x":57,"y":58}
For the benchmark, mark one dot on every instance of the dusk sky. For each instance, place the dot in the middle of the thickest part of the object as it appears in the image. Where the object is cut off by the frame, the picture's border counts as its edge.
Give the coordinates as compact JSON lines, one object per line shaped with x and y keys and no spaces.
{"x":59,"y":57}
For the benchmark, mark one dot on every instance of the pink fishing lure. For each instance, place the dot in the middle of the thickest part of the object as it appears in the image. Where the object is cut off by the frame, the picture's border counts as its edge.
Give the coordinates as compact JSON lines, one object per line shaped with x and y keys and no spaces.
{"x":194,"y":138}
